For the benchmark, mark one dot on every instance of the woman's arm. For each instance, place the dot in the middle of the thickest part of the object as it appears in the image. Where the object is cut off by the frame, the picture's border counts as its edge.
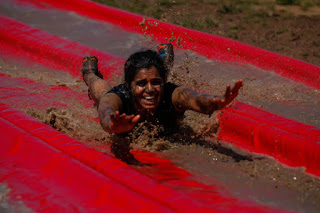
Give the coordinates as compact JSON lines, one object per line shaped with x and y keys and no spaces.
{"x":186,"y":99}
{"x":109,"y":108}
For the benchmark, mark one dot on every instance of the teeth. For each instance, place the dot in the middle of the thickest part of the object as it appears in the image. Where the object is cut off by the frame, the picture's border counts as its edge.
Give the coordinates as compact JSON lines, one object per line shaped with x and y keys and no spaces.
{"x":149,"y":98}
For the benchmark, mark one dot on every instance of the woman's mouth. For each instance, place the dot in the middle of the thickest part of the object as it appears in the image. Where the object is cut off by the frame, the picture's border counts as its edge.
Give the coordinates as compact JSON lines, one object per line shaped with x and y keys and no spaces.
{"x":150,"y":100}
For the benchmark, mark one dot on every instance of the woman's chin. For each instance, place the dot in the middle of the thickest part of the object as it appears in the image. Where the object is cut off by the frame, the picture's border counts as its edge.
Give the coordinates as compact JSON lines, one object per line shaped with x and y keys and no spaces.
{"x":149,"y":108}
{"x":149,"y":105}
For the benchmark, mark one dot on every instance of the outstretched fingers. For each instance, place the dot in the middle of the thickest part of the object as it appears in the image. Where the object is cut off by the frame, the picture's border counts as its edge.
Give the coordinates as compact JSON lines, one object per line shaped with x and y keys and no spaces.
{"x":135,"y":119}
{"x":122,"y":123}
{"x":237,"y":86}
{"x":233,"y":93}
{"x":114,"y":117}
{"x":230,"y":95}
{"x":228,"y":92}
{"x":131,"y":119}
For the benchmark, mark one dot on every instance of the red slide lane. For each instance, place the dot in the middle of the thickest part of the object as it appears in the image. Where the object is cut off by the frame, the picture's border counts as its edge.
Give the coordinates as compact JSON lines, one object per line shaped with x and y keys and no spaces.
{"x":162,"y":170}
{"x":303,"y":138}
{"x":28,"y":35}
{"x":209,"y":45}
{"x":61,"y":183}
{"x":26,"y":42}
{"x":289,"y":142}
{"x":51,"y":172}
{"x":36,"y":171}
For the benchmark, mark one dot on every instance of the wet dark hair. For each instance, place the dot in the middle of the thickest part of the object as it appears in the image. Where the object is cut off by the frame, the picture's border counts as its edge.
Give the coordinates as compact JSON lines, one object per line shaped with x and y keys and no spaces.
{"x":144,"y":59}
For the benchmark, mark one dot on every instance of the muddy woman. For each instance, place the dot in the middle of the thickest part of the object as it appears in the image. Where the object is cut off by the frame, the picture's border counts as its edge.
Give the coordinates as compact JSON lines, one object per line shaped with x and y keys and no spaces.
{"x":146,"y":96}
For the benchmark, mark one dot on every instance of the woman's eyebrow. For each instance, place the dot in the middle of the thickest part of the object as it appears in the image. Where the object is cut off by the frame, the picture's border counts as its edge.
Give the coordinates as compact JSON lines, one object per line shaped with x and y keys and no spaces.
{"x":141,"y":80}
{"x":156,"y":79}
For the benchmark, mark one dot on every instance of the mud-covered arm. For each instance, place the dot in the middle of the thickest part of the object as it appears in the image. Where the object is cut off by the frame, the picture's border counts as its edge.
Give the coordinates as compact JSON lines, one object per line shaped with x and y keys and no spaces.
{"x":111,"y":120}
{"x":184,"y":98}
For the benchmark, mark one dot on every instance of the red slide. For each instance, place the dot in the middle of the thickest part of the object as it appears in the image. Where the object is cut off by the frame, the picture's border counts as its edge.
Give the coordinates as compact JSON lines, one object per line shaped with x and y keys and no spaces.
{"x":51,"y":172}
{"x":242,"y":125}
{"x":209,"y":45}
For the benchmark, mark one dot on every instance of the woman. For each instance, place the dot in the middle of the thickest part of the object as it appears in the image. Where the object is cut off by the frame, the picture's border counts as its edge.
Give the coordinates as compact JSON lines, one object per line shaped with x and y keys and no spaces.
{"x":146,"y":95}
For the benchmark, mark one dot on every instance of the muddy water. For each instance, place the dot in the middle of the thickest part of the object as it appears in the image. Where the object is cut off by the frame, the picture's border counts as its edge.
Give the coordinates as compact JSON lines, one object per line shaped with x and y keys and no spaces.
{"x":9,"y":206}
{"x":262,"y":89}
{"x":245,"y":175}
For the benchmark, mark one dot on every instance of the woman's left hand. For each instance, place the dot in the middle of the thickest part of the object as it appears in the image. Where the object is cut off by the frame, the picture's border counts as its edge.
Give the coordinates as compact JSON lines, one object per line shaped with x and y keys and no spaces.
{"x":229,"y":96}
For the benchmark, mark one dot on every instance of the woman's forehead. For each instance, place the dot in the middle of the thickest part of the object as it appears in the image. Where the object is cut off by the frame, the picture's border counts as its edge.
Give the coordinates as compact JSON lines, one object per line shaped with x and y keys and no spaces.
{"x":147,"y":73}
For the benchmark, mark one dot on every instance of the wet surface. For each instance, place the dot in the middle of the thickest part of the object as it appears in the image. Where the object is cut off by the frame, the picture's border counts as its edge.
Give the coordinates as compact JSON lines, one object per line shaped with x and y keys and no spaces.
{"x":9,"y":206}
{"x":263,"y":89}
{"x":244,"y":174}
{"x":258,"y":178}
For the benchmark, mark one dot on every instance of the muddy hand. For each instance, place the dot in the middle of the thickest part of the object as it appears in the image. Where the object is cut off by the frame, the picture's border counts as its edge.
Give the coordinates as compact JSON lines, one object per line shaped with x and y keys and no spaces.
{"x":122,"y":123}
{"x":229,"y":96}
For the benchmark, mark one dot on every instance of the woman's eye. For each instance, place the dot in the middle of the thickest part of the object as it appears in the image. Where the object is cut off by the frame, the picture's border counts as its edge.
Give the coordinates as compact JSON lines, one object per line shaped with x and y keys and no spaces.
{"x":156,"y":82}
{"x":141,"y":84}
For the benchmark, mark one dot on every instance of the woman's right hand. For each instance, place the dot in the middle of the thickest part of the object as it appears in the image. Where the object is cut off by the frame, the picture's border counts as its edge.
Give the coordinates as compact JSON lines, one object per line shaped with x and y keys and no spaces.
{"x":122,"y":123}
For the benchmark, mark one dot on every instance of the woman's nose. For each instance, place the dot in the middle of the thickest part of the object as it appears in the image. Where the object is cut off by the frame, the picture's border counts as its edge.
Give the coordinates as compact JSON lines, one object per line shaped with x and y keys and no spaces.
{"x":149,"y":87}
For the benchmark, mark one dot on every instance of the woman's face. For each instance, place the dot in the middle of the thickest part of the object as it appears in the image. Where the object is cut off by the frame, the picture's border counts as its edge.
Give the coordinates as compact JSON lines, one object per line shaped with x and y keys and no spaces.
{"x":147,"y":89}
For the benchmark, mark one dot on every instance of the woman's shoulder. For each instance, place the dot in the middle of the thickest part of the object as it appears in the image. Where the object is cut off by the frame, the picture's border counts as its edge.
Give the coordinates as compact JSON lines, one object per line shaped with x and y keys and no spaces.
{"x":121,"y":90}
{"x":119,"y":87}
{"x":124,"y":93}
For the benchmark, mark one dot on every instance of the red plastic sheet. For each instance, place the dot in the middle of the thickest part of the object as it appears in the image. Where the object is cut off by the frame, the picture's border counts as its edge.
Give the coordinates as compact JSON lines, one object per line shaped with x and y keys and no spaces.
{"x":290,"y":142}
{"x":22,"y":41}
{"x":206,"y":44}
{"x":48,"y":179}
{"x":237,"y":126}
{"x":25,"y":93}
{"x":51,"y":172}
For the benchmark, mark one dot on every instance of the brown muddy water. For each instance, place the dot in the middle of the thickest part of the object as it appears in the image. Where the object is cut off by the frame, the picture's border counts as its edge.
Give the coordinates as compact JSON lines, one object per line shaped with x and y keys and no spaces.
{"x":9,"y":206}
{"x":245,"y":175}
{"x":263,"y":89}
